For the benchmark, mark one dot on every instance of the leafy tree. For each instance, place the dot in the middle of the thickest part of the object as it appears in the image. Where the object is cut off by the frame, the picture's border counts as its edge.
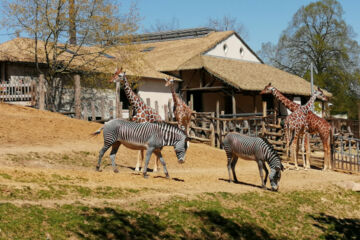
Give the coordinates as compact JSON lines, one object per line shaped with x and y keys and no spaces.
{"x":70,"y":36}
{"x":318,"y":34}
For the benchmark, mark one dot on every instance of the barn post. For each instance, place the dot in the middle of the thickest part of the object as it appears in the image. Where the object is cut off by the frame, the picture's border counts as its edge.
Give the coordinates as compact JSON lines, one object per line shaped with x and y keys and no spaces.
{"x":102,"y":108}
{"x":33,"y":93}
{"x":42,"y":92}
{"x":218,"y":123}
{"x":117,"y":103}
{"x":170,"y":110}
{"x":111,"y":109}
{"x":191,"y":103}
{"x":263,"y":130}
{"x":93,"y":114}
{"x":233,"y":104}
{"x":77,"y":86}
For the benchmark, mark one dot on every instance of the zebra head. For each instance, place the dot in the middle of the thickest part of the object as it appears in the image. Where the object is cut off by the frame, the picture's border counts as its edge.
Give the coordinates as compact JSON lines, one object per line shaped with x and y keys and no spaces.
{"x":181,"y":147}
{"x":275,"y":176}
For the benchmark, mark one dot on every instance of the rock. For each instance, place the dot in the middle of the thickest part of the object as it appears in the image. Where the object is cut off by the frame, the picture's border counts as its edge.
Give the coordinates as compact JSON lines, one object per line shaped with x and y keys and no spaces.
{"x":349,"y":185}
{"x":356,"y":187}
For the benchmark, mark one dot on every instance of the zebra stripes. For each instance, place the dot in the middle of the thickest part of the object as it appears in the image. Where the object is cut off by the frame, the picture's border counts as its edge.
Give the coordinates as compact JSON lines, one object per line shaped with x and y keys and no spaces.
{"x":142,"y":136}
{"x":253,"y":148}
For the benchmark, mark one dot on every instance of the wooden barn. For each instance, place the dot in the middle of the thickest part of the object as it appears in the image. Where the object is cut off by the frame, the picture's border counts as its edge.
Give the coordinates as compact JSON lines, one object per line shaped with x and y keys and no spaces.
{"x":211,"y":68}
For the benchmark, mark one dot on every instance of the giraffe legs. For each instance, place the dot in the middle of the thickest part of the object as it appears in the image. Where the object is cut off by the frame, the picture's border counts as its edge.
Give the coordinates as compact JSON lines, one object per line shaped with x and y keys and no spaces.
{"x":307,"y":147}
{"x":295,"y":149}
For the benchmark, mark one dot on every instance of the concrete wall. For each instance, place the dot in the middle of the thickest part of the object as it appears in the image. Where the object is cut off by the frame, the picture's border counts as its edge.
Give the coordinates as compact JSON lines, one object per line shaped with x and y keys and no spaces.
{"x":155,"y":90}
{"x":234,"y":48}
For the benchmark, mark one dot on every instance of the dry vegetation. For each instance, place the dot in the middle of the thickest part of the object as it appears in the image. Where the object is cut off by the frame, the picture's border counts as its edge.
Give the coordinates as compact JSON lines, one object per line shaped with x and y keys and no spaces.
{"x":49,"y":188}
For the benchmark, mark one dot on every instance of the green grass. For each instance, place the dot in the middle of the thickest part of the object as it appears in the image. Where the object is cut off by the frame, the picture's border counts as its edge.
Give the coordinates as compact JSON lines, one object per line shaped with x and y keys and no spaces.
{"x":328,"y":214}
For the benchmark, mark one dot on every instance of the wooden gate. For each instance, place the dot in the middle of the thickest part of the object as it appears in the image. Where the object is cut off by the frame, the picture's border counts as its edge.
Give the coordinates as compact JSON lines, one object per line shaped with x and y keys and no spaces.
{"x":346,"y":154}
{"x":20,"y":92}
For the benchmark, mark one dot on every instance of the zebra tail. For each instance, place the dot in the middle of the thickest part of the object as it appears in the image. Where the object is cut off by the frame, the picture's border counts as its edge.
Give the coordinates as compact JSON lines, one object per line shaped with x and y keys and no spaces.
{"x":94,"y":134}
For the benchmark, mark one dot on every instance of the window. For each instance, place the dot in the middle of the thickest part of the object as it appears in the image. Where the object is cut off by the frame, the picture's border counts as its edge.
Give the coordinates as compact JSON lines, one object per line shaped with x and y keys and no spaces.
{"x":241,"y":51}
{"x":225,"y":48}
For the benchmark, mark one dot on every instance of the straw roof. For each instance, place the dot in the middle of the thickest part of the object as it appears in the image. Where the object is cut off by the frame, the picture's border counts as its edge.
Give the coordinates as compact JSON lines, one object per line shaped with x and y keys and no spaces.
{"x":250,"y":76}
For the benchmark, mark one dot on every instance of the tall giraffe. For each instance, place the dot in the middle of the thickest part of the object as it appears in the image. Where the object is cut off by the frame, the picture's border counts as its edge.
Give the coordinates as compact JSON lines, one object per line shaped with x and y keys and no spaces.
{"x":316,"y":124}
{"x":182,"y":111}
{"x":143,"y":112}
{"x":297,"y":122}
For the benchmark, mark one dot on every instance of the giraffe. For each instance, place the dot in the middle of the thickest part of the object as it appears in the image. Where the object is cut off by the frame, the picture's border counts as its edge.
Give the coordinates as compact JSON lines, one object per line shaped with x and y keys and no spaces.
{"x":182,"y":111}
{"x":316,"y":124}
{"x":143,"y":112}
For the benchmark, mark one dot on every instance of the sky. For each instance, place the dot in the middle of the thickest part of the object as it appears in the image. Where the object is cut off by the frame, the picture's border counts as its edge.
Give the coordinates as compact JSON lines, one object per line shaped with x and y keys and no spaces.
{"x":264,"y":20}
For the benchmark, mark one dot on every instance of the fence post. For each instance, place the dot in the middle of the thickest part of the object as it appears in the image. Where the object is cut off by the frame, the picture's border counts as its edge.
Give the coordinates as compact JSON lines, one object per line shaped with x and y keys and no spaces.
{"x":263,"y":130}
{"x":85,"y":116}
{"x":166,"y":114}
{"x":93,"y":115}
{"x":148,"y":102}
{"x":170,"y":110}
{"x":77,"y":86}
{"x":120,"y":110}
{"x":111,"y":109}
{"x":42,"y":92}
{"x":33,"y":93}
{"x":102,"y":106}
{"x":223,"y":129}
{"x":212,"y":131}
{"x":157,"y":107}
{"x":218,"y":123}
{"x":233,"y":104}
{"x":191,"y":103}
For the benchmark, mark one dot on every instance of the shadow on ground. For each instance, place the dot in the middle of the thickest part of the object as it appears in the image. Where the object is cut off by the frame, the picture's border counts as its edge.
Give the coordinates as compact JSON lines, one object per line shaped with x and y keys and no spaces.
{"x":337,"y":228}
{"x":109,"y":223}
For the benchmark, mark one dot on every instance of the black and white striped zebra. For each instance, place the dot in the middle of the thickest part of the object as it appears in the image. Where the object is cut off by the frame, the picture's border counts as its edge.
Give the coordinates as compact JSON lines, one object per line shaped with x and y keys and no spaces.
{"x":253,"y":148}
{"x":142,"y":136}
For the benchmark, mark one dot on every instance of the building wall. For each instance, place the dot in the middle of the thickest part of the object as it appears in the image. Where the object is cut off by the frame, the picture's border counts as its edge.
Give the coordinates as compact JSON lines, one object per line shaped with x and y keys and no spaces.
{"x":234,"y":48}
{"x":155,"y":90}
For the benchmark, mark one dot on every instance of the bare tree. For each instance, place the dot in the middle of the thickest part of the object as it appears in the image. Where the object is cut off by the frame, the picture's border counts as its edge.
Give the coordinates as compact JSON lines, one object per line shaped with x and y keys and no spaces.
{"x":164,"y":26}
{"x":70,"y":35}
{"x":227,"y":23}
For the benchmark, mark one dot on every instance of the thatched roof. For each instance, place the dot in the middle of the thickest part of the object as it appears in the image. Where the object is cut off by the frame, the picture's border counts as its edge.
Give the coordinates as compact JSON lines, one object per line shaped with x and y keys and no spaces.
{"x":250,"y":76}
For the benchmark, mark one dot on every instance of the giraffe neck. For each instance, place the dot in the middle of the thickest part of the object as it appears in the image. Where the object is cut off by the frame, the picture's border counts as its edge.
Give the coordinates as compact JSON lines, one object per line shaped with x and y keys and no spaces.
{"x":308,"y":106}
{"x":292,"y":106}
{"x":175,"y":97}
{"x":132,"y":97}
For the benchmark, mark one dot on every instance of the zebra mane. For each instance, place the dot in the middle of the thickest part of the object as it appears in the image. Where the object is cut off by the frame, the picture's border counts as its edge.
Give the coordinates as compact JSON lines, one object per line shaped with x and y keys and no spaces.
{"x":270,"y":146}
{"x":170,"y":126}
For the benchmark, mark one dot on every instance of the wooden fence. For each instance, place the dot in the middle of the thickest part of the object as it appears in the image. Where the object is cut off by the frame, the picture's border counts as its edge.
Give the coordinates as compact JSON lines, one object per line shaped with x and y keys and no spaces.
{"x":20,"y":92}
{"x":346,"y":152}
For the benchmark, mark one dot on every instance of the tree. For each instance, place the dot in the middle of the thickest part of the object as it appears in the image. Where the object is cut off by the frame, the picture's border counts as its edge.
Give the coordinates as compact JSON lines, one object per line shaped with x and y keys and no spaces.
{"x":227,"y":23}
{"x":164,"y":26}
{"x":318,"y":34}
{"x":70,"y":36}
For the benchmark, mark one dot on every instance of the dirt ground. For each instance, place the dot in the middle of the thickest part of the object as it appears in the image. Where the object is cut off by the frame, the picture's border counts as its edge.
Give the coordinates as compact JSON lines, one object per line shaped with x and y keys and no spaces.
{"x":26,"y":133}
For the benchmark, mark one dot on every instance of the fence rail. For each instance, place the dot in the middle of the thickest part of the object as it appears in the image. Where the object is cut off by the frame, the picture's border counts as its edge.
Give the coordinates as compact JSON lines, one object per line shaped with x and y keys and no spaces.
{"x":16,"y":92}
{"x":346,"y":154}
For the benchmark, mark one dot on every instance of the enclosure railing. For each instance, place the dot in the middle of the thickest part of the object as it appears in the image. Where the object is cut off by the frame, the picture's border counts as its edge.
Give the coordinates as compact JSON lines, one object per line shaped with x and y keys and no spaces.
{"x":18,"y":92}
{"x":346,"y":154}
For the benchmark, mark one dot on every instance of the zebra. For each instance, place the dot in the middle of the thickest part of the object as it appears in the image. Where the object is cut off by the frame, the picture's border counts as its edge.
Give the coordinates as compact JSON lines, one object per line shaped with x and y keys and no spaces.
{"x":142,"y":136}
{"x":253,"y":148}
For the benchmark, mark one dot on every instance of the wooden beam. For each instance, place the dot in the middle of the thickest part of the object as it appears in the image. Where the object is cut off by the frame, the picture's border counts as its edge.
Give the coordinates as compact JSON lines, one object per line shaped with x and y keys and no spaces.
{"x":42,"y":92}
{"x":77,"y":86}
{"x":204,"y":89}
{"x":233,"y":103}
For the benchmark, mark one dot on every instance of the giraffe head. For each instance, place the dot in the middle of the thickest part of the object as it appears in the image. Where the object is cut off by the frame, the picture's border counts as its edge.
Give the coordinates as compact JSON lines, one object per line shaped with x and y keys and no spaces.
{"x":268,"y":89}
{"x":118,"y":75}
{"x":320,"y":95}
{"x":169,"y":81}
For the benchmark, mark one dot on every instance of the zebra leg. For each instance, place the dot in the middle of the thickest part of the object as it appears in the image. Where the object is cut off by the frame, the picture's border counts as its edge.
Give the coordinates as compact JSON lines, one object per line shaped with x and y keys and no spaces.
{"x":233,"y":164}
{"x":156,"y":164}
{"x":266,"y":173}
{"x":115,"y":148}
{"x":159,"y":156}
{"x":139,"y":160}
{"x":148,"y":155}
{"x":260,"y":166}
{"x":101,"y":154}
{"x":229,"y":157}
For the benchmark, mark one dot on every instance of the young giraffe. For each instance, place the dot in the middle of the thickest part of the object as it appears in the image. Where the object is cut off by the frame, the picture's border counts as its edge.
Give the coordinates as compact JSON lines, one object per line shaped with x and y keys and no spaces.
{"x":143,"y":112}
{"x":182,"y":111}
{"x":316,"y":124}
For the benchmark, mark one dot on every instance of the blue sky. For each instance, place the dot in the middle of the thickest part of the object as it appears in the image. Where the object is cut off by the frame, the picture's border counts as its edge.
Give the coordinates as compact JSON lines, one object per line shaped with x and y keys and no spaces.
{"x":264,"y":20}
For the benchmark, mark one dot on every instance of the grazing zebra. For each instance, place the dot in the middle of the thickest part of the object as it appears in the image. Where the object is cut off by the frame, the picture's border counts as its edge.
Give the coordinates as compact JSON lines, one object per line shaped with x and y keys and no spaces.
{"x":142,"y":136}
{"x":253,"y":148}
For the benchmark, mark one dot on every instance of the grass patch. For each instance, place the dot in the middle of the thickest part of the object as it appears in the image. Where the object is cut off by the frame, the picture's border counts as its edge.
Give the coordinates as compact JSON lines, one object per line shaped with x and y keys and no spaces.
{"x":263,"y":215}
